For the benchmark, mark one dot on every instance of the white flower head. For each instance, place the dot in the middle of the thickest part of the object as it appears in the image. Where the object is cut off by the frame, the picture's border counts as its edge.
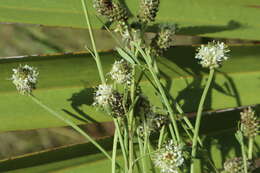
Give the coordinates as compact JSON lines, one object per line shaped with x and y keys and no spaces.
{"x":121,"y":72}
{"x":169,"y":158}
{"x":25,"y":78}
{"x":212,"y":55}
{"x":103,"y":94}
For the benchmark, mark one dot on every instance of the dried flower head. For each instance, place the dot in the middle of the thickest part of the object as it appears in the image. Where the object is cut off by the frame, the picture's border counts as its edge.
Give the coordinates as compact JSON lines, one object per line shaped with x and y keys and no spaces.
{"x":148,"y":10}
{"x":25,"y":78}
{"x":113,"y":11}
{"x":169,"y":158}
{"x":103,"y":95}
{"x":121,"y":72}
{"x":163,"y":40}
{"x":249,"y":122}
{"x":235,"y":165}
{"x":212,"y":55}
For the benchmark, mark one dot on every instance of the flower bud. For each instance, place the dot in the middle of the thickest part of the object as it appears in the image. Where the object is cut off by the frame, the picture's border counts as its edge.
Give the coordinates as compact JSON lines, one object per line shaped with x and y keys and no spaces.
{"x":249,"y":123}
{"x":113,"y":11}
{"x":148,"y":10}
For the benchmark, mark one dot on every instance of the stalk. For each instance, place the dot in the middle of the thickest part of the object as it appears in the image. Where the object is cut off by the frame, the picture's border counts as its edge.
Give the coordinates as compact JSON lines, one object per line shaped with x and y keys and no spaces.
{"x":121,"y":141}
{"x":250,"y":148}
{"x":114,"y":153}
{"x":96,"y":57}
{"x":131,"y":123}
{"x":198,"y":118}
{"x":244,"y":157}
{"x":70,"y":123}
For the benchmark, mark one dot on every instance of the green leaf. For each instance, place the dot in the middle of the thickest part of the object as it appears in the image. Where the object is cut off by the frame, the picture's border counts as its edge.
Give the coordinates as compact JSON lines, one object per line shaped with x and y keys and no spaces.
{"x":125,"y":55}
{"x":222,"y":18}
{"x":67,"y":82}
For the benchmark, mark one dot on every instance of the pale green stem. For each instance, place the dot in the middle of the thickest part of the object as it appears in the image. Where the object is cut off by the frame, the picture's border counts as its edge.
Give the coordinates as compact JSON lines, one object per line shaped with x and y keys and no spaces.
{"x":121,"y":141}
{"x":141,"y":149}
{"x":70,"y":123}
{"x":244,"y":156}
{"x":131,"y":118}
{"x":97,"y":58}
{"x":162,"y":131}
{"x":250,"y":148}
{"x":114,"y":152}
{"x":198,"y":118}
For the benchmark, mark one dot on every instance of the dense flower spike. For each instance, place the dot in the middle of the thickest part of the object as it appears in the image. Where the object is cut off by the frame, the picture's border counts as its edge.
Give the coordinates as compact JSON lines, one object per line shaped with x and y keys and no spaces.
{"x":121,"y":72}
{"x":169,"y":158}
{"x":148,"y":10}
{"x":212,"y":55}
{"x":103,"y":94}
{"x":25,"y":78}
{"x":163,"y":40}
{"x":235,"y":165}
{"x":117,"y":105}
{"x":249,"y":123}
{"x":113,"y":11}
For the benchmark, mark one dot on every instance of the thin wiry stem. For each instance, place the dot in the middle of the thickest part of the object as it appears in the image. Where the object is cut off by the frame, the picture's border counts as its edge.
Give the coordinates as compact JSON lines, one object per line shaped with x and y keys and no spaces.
{"x":114,"y":153}
{"x":96,"y":57}
{"x":198,"y":118}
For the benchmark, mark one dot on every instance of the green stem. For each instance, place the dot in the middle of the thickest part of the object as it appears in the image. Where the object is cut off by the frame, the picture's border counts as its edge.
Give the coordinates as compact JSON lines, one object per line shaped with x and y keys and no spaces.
{"x":161,"y":137}
{"x":97,"y":58}
{"x":131,"y":123}
{"x":121,"y":141}
{"x":141,"y":149}
{"x":198,"y":118}
{"x":244,"y":157}
{"x":114,"y":153}
{"x":69,"y":122}
{"x":250,"y":148}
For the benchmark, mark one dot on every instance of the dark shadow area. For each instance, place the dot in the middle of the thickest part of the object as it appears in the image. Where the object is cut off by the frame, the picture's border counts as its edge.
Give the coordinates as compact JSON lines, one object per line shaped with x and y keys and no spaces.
{"x":83,"y":97}
{"x":196,"y":30}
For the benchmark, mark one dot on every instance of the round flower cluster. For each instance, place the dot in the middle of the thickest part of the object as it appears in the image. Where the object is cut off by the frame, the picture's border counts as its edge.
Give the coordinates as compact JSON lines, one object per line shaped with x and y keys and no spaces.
{"x":113,"y":11}
{"x":169,"y":158}
{"x":249,"y":123}
{"x":121,"y":72}
{"x":212,"y":55}
{"x":25,"y":78}
{"x":235,"y":165}
{"x":103,"y":94}
{"x":148,"y":10}
{"x":163,"y":40}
